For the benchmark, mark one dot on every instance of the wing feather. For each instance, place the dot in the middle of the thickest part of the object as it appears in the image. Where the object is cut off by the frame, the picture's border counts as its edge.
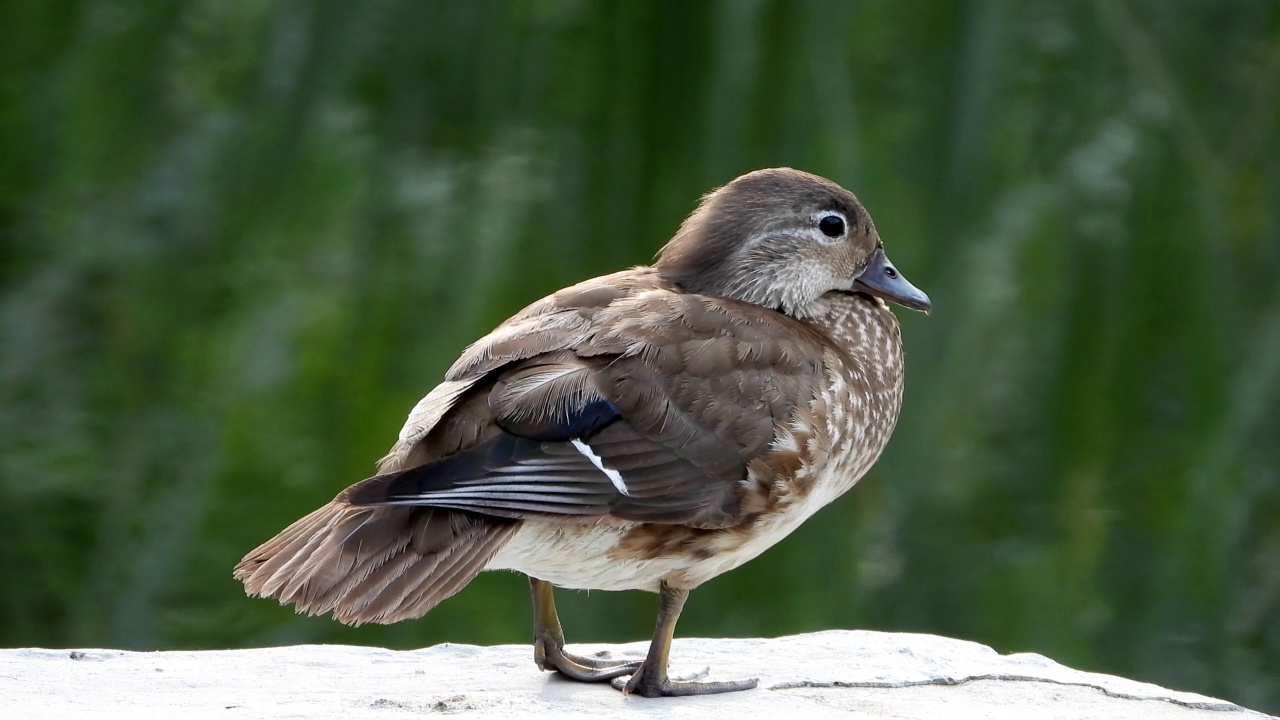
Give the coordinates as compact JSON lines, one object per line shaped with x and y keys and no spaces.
{"x":621,"y":397}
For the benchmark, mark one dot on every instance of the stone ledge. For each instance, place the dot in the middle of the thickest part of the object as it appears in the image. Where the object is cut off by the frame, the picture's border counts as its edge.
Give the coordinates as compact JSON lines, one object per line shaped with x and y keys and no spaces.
{"x":847,"y":674}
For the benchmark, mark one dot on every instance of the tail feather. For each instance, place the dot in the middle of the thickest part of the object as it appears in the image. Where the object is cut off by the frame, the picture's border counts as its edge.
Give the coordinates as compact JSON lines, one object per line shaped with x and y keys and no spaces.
{"x":389,"y":584}
{"x":399,"y":594}
{"x":373,"y":564}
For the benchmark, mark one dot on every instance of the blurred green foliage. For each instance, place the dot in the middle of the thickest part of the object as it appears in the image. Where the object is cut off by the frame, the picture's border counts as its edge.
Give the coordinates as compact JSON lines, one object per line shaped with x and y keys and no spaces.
{"x":239,"y":239}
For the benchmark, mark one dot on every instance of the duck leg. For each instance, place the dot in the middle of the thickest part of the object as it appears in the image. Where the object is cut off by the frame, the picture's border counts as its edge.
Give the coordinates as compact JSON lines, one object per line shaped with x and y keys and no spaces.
{"x":651,"y":680}
{"x":548,"y":643}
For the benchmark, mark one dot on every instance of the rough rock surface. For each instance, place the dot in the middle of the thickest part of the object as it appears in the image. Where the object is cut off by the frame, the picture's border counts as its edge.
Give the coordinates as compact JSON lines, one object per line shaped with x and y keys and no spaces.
{"x":846,"y":674}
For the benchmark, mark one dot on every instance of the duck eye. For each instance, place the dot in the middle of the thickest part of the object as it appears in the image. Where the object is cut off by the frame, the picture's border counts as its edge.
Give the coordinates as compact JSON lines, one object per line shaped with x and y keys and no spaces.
{"x":832,"y":226}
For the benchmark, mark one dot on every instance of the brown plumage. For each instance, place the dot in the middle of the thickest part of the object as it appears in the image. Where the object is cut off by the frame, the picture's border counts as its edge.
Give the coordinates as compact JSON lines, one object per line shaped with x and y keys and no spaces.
{"x":647,"y":430}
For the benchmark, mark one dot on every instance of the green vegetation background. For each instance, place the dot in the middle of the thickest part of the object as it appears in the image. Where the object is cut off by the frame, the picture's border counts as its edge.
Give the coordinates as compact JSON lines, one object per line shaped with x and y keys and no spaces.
{"x":239,"y":239}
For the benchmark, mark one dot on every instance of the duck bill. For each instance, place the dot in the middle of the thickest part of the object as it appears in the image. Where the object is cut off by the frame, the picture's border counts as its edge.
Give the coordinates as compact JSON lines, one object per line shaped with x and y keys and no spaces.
{"x":883,"y":280}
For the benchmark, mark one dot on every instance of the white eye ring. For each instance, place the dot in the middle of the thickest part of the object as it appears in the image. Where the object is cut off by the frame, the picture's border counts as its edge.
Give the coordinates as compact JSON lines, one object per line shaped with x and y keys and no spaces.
{"x":831,"y":226}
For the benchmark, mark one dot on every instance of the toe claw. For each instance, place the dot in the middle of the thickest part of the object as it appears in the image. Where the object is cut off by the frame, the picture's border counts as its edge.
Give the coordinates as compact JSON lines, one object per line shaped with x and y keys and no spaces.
{"x":642,"y":684}
{"x":585,"y":669}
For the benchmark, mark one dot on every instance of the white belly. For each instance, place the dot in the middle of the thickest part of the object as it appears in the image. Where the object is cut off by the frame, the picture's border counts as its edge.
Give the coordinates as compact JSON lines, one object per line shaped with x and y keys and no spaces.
{"x":584,"y":556}
{"x":578,"y":556}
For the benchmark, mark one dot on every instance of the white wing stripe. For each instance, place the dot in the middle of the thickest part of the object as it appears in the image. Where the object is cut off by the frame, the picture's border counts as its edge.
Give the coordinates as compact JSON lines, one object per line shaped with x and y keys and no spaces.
{"x":614,"y":476}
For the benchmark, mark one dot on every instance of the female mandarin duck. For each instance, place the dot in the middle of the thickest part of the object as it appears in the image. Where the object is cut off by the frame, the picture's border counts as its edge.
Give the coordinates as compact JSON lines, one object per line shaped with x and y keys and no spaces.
{"x":646,"y":430}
